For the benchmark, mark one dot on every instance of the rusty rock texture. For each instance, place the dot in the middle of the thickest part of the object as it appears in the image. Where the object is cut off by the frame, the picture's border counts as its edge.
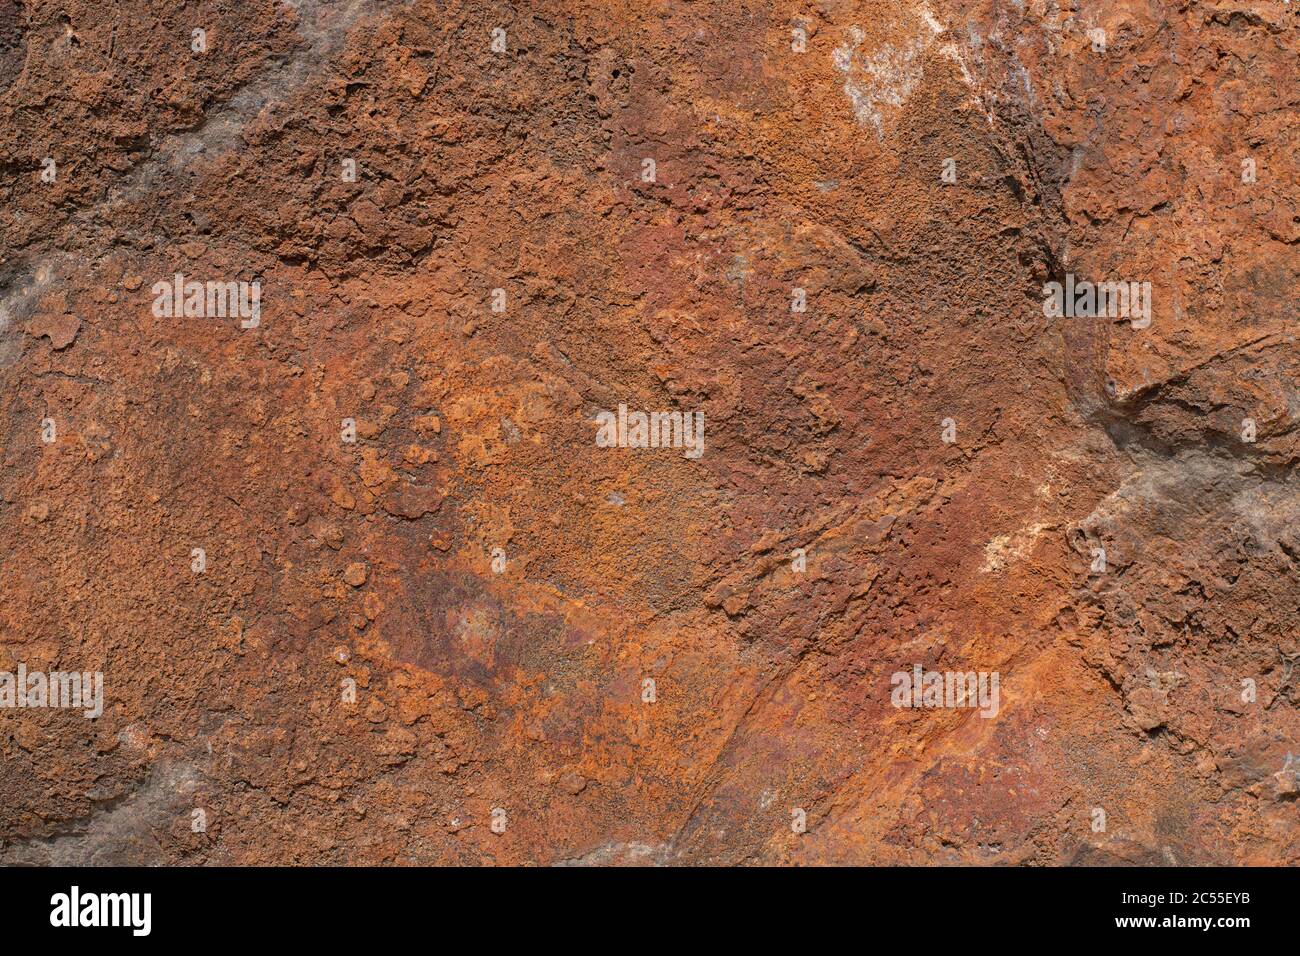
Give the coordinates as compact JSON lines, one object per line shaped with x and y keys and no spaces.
{"x":497,"y":586}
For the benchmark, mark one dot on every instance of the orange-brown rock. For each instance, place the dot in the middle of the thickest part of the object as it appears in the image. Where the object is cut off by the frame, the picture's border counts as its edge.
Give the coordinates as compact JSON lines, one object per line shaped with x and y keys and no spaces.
{"x":365,"y":588}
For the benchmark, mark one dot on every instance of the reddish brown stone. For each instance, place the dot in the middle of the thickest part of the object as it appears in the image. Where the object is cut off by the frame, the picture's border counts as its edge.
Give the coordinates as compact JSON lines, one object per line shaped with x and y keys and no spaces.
{"x":637,"y":656}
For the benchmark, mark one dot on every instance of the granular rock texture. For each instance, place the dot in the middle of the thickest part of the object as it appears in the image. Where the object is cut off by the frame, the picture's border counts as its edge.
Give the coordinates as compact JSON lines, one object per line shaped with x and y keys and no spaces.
{"x":365,"y":587}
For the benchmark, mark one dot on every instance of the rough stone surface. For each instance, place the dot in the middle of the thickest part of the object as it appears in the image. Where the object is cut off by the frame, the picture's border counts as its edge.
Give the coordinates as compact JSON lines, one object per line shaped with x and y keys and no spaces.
{"x":495,"y":587}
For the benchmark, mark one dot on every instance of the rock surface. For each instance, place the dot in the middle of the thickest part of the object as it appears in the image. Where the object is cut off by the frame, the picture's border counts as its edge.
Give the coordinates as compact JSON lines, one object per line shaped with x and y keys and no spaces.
{"x":364,"y":587}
